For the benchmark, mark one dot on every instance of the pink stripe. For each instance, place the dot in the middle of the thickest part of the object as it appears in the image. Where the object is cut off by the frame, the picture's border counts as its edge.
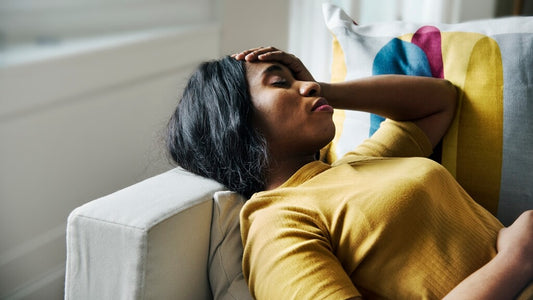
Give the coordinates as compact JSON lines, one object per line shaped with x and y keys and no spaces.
{"x":429,"y":40}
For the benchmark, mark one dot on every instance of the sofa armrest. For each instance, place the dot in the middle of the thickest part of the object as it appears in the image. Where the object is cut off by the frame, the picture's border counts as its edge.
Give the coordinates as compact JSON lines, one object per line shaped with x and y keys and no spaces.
{"x":147,"y":241}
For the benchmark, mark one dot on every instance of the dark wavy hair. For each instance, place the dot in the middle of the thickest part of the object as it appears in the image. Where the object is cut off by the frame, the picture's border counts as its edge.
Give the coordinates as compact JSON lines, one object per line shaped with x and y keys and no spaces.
{"x":211,"y":132}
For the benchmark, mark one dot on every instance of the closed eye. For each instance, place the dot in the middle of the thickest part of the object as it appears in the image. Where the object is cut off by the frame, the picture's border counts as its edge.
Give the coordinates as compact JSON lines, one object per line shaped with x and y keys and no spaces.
{"x":279,"y":82}
{"x":277,"y":75}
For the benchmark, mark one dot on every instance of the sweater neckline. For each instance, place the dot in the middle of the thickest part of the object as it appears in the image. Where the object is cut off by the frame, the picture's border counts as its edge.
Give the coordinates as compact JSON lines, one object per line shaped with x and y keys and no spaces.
{"x":305,"y":173}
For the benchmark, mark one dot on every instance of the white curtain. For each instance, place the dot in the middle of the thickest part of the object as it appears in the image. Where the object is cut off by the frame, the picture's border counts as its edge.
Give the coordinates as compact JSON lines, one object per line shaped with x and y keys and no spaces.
{"x":310,"y":40}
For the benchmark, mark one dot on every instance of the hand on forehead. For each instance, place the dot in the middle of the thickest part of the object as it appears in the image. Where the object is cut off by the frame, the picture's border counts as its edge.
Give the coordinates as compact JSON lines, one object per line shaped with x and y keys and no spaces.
{"x":271,"y":54}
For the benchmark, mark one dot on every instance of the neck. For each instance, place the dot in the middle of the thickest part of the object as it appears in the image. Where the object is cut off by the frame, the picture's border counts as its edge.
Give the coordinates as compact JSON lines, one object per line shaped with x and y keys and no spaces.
{"x":282,"y":169}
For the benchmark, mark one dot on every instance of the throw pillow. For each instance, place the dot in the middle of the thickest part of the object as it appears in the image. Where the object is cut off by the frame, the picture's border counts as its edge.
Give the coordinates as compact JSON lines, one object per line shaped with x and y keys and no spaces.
{"x":489,"y":147}
{"x":225,"y":249}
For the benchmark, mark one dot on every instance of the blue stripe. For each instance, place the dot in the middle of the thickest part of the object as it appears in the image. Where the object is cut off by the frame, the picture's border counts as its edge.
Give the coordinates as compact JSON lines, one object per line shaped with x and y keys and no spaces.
{"x":398,"y":57}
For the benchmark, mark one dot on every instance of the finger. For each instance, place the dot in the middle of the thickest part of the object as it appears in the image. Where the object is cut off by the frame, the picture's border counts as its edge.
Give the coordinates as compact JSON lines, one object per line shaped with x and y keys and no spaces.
{"x":254,"y":55}
{"x":242,"y":55}
{"x":277,"y":55}
{"x":287,"y":59}
{"x":263,"y":50}
{"x":238,"y":56}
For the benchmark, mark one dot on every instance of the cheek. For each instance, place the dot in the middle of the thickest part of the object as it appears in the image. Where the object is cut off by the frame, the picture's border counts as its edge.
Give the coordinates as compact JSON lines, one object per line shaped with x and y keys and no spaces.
{"x":272,"y":113}
{"x":264,"y":120}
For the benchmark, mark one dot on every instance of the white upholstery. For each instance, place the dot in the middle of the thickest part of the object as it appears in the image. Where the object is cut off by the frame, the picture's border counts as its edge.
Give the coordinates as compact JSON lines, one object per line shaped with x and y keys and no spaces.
{"x":147,"y":241}
{"x":225,"y":250}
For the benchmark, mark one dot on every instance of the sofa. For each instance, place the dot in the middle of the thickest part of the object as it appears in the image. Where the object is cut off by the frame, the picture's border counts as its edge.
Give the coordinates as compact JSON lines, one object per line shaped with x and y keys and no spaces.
{"x":147,"y":241}
{"x":176,"y":235}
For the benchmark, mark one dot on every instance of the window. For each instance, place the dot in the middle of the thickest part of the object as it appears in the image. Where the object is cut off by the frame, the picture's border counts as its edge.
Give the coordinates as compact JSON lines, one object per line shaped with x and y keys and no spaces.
{"x":48,"y":22}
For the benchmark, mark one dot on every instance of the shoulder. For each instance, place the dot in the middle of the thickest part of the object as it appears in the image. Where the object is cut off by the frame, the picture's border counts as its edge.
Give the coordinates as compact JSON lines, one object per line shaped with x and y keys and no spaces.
{"x":395,"y":139}
{"x":280,"y":209}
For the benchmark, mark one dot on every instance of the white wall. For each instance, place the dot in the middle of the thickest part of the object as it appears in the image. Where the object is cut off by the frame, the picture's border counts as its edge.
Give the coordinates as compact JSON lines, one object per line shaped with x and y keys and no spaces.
{"x":76,"y":127}
{"x":80,"y":125}
{"x":254,"y":23}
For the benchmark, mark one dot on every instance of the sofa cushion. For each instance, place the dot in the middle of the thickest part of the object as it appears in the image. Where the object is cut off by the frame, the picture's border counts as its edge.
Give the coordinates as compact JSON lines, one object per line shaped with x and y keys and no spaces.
{"x":489,"y":147}
{"x":225,"y":250}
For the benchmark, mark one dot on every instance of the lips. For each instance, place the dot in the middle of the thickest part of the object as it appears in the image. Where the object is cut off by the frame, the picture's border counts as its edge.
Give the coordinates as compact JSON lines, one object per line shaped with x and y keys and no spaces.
{"x":321,"y":104}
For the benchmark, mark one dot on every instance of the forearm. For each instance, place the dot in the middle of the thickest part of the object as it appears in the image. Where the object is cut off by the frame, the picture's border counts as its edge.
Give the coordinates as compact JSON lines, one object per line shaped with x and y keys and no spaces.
{"x":510,"y":271}
{"x":397,"y":97}
{"x":501,"y":278}
{"x":429,"y":102}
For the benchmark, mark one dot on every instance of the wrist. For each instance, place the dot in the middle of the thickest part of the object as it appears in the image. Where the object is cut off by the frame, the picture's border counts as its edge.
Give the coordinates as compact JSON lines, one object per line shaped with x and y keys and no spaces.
{"x":325,"y":88}
{"x":517,"y":263}
{"x":334,"y":96}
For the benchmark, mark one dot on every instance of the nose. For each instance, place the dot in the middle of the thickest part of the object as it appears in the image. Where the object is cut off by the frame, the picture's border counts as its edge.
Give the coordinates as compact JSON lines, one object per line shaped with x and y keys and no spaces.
{"x":309,"y":88}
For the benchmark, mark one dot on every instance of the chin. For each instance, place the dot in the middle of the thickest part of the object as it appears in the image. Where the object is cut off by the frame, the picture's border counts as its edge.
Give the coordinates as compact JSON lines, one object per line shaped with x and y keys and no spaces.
{"x":331,"y":134}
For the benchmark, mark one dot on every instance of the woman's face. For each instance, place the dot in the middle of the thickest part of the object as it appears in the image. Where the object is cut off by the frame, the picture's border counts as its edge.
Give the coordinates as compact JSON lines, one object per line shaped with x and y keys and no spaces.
{"x":291,"y":114}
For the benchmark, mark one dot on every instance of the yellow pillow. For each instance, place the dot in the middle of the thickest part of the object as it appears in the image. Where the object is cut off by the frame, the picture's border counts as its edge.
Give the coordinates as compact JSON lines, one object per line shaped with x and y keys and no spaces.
{"x":489,"y":147}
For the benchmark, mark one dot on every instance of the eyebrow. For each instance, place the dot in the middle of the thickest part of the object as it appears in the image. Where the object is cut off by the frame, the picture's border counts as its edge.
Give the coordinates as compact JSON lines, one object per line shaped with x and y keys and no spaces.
{"x":271,"y":69}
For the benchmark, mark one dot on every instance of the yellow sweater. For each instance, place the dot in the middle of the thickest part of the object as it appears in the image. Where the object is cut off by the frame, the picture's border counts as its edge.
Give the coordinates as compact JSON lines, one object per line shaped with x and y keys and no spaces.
{"x":383,"y":228}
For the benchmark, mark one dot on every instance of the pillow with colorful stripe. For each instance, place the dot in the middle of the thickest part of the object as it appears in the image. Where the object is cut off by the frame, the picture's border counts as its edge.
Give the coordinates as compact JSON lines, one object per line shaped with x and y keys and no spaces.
{"x":489,"y":147}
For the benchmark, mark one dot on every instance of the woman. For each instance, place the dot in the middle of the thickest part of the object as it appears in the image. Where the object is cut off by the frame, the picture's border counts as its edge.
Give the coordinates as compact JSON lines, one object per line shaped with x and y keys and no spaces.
{"x":382,"y":222}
